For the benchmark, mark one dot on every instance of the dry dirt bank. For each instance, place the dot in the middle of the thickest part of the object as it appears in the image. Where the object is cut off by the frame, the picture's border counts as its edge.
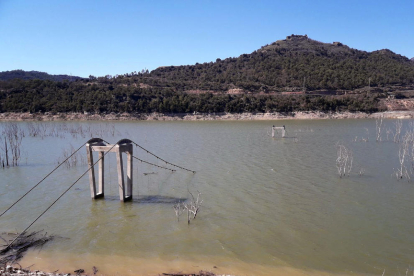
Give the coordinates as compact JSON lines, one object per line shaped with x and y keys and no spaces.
{"x":198,"y":117}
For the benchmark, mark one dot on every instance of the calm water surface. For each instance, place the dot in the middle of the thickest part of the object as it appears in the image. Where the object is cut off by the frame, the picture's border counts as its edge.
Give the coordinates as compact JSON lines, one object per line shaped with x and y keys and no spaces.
{"x":270,"y":206}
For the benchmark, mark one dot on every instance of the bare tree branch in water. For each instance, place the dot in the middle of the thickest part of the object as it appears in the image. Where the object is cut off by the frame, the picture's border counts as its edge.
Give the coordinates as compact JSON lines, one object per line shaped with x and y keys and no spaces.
{"x":12,"y":136}
{"x":363,"y":139}
{"x":33,"y":130}
{"x":74,"y":160}
{"x":378,"y":127}
{"x":192,"y":207}
{"x":389,"y":132}
{"x":4,"y":147}
{"x":403,"y":154}
{"x":179,"y":209}
{"x":344,"y":160}
{"x":1,"y":155}
{"x":397,"y":133}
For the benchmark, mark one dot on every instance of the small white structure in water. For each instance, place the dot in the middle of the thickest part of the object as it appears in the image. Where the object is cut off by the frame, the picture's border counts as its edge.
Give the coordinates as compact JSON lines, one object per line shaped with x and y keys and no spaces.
{"x":277,"y":128}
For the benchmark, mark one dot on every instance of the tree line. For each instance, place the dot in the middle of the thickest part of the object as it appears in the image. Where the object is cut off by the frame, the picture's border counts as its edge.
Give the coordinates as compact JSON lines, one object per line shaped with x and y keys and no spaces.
{"x":79,"y":96}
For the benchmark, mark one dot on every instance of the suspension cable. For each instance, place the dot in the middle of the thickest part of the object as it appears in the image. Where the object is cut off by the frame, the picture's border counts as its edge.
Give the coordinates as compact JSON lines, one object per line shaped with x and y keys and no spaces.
{"x":166,"y":162}
{"x":42,"y":180}
{"x":50,"y":206}
{"x":153,"y":164}
{"x":105,"y":154}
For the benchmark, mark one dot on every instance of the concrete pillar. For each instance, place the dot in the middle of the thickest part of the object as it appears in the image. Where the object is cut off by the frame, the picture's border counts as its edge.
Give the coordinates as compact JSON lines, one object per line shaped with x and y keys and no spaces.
{"x":92,"y":183}
{"x":101,"y":174}
{"x":120,"y":166}
{"x":129,"y":172}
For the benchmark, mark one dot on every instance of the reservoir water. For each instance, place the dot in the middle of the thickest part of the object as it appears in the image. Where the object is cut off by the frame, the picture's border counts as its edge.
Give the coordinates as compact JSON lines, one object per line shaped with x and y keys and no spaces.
{"x":271,"y":206}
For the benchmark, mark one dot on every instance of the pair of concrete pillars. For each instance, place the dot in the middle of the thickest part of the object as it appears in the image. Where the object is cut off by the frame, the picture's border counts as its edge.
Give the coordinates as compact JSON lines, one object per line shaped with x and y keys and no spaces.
{"x":276,"y":128}
{"x":123,"y":146}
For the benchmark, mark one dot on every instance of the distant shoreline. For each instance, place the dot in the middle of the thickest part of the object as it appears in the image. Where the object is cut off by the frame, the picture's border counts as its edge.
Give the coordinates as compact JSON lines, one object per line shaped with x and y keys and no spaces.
{"x":15,"y":116}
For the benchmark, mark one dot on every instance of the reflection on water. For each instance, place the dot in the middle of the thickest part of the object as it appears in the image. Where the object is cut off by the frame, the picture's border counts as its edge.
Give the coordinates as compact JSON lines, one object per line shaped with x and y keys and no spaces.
{"x":270,"y":206}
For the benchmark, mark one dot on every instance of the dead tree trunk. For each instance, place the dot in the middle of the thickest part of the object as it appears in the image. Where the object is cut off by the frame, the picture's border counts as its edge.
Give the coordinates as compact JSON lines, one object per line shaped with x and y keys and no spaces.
{"x":397,"y":134}
{"x":378,"y":124}
{"x":6,"y":152}
{"x":403,"y":155}
{"x":344,"y":160}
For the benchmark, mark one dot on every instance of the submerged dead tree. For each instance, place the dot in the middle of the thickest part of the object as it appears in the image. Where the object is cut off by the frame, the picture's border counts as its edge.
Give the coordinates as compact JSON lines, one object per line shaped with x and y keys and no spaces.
{"x":179,"y":209}
{"x":403,"y":151}
{"x":389,"y":132}
{"x":406,"y":155}
{"x":2,"y":154}
{"x":11,"y":141}
{"x":378,"y":127}
{"x":397,"y":133}
{"x":5,"y":150}
{"x":192,"y":207}
{"x":344,"y":160}
{"x":71,"y":161}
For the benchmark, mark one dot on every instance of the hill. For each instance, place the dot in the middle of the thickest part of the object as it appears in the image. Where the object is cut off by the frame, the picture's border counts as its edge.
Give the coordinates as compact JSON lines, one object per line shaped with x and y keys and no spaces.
{"x":294,"y":64}
{"x":34,"y":75}
{"x":293,"y":74}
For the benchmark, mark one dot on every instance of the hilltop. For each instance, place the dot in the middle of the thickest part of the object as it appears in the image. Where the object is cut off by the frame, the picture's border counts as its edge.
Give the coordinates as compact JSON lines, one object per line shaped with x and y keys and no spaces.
{"x":34,"y":75}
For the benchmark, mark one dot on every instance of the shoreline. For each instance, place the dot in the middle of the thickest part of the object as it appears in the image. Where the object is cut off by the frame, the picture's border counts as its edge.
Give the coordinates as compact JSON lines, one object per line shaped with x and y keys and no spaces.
{"x":12,"y":270}
{"x":310,"y":115}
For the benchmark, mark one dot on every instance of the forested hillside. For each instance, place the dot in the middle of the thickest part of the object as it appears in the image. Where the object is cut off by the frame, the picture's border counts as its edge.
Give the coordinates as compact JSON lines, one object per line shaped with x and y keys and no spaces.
{"x":352,"y":80}
{"x":294,"y":64}
{"x":34,"y":75}
{"x":108,"y":95}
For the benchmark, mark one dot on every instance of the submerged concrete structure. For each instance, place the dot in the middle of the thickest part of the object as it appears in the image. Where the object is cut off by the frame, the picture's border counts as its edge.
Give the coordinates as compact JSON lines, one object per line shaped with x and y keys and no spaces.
{"x":123,"y":146}
{"x":274,"y":129}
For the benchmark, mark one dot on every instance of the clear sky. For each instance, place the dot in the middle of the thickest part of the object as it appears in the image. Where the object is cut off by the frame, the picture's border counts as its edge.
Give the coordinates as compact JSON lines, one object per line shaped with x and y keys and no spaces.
{"x":100,"y":37}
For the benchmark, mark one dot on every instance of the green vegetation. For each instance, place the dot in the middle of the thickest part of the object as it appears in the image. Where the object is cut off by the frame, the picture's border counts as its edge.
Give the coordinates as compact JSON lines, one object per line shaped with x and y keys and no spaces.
{"x":34,"y":75}
{"x":290,"y":64}
{"x":294,"y":64}
{"x":48,"y":96}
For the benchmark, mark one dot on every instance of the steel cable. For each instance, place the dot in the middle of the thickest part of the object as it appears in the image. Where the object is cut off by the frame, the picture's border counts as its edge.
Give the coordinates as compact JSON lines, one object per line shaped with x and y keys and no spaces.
{"x":42,"y":180}
{"x":166,"y":162}
{"x":153,"y":164}
{"x":50,"y":206}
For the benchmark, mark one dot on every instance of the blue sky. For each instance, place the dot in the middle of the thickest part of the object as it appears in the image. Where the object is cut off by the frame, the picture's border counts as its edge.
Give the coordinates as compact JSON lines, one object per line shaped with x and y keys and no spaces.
{"x":83,"y":37}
